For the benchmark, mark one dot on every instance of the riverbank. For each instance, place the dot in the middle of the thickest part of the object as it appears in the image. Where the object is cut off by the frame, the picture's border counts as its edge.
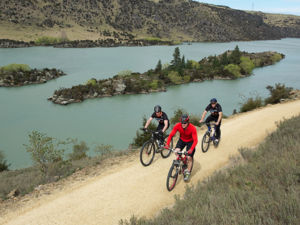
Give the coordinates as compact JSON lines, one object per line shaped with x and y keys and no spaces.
{"x":16,"y":75}
{"x":229,"y":65}
{"x":109,"y":42}
{"x":84,"y":188}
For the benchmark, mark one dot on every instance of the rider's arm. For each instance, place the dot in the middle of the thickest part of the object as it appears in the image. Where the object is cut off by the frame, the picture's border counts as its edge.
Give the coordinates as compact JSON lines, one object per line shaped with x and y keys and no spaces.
{"x":166,"y":125}
{"x":203,"y":115}
{"x":195,"y":141}
{"x":148,"y":122}
{"x":173,"y":132}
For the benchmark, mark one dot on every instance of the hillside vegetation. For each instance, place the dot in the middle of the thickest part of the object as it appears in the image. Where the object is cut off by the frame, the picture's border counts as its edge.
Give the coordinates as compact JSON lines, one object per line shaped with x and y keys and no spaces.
{"x":264,"y":189}
{"x":182,"y":20}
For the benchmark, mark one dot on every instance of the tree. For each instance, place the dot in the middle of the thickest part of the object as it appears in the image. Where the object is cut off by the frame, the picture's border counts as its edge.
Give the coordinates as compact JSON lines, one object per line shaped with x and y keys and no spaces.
{"x":176,"y":62}
{"x":158,"y":66}
{"x":235,"y":56}
{"x":224,"y":59}
{"x":44,"y":151}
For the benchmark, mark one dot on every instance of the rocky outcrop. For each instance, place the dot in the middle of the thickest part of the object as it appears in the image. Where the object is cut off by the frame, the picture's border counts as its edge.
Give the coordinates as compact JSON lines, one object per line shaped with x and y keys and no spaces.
{"x":21,"y":78}
{"x":6,"y":43}
{"x":110,"y":43}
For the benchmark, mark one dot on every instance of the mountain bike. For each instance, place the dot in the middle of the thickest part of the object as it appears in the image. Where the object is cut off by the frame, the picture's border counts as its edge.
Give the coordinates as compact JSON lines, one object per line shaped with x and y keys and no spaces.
{"x":153,"y":146}
{"x":178,"y":166}
{"x":209,"y":136}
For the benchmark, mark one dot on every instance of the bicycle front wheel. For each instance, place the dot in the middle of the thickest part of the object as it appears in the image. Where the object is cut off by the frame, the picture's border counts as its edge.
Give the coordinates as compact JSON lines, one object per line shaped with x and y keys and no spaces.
{"x":205,"y":142}
{"x":165,"y":153}
{"x":147,"y":153}
{"x":172,"y":177}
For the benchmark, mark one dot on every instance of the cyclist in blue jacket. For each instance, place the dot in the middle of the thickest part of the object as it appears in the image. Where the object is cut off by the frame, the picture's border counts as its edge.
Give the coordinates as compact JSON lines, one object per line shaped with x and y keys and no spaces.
{"x":216,"y":114}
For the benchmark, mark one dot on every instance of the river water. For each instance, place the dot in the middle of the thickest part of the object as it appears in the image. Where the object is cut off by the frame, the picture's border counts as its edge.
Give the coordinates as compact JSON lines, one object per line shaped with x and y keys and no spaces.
{"x":114,"y":120}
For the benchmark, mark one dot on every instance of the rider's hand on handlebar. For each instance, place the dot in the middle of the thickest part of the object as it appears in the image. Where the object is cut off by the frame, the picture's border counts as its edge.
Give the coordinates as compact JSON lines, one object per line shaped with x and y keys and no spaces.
{"x":189,"y":151}
{"x":145,"y":129}
{"x":201,"y":121}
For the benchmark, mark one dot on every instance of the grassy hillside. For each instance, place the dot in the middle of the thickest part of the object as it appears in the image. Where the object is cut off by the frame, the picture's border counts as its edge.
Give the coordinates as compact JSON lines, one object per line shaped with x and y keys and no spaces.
{"x":170,"y":19}
{"x":263,"y":188}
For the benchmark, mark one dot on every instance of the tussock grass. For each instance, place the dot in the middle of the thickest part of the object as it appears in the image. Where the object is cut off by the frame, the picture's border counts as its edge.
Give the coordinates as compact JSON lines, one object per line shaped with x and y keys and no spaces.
{"x":264,"y":190}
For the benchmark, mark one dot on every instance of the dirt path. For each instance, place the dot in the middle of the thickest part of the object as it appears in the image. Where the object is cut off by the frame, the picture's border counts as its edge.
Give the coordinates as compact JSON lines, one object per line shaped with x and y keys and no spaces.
{"x":131,"y":188}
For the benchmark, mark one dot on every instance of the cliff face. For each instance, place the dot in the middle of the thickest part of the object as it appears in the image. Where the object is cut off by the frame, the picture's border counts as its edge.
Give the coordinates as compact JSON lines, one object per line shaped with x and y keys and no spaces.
{"x":172,"y":19}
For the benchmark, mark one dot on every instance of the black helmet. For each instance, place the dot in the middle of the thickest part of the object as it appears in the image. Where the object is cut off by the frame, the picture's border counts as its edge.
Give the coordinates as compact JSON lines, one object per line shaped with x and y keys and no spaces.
{"x":184,"y":118}
{"x":157,"y":108}
{"x":213,"y":100}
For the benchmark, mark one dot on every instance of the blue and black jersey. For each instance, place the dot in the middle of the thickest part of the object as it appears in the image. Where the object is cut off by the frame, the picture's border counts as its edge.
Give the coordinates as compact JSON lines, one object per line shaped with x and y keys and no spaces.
{"x":214,"y":111}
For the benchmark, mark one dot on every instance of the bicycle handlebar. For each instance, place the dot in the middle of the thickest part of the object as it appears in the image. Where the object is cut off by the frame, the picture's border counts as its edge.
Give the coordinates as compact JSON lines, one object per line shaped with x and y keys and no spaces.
{"x":179,"y":153}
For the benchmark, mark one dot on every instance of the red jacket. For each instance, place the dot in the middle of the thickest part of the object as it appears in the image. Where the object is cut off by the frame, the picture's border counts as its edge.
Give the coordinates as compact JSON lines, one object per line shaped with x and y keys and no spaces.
{"x":187,"y":135}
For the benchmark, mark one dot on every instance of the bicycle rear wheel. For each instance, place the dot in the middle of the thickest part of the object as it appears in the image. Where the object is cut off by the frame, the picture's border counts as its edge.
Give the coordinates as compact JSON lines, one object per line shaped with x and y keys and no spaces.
{"x":165,"y":153}
{"x":205,"y":142}
{"x":147,"y":153}
{"x":172,"y":177}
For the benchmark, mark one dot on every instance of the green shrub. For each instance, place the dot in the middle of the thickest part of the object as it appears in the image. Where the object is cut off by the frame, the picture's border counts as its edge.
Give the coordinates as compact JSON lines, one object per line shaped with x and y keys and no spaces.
{"x":92,"y":82}
{"x":79,"y":151}
{"x":45,"y":40}
{"x":186,"y":78}
{"x":154,"y":84}
{"x":192,"y":64}
{"x":174,"y":77}
{"x":247,"y":65}
{"x":276,"y":57}
{"x":277,"y":93}
{"x":177,"y":115}
{"x":125,"y":73}
{"x":234,"y":70}
{"x":251,"y":103}
{"x":15,"y":67}
{"x":3,"y":164}
{"x":44,"y":151}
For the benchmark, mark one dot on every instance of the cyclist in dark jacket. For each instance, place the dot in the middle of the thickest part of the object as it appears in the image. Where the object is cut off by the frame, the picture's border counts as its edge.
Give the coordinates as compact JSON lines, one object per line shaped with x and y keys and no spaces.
{"x":216,"y":114}
{"x":163,"y":122}
{"x":188,"y":138}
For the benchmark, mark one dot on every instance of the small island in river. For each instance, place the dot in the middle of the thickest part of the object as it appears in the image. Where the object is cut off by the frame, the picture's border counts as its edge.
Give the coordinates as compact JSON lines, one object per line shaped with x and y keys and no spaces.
{"x":15,"y":75}
{"x":229,"y":65}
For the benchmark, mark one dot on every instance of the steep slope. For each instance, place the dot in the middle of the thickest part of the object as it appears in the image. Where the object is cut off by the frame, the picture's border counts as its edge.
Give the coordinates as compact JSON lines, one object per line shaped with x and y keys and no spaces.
{"x":170,"y":19}
{"x":130,"y":188}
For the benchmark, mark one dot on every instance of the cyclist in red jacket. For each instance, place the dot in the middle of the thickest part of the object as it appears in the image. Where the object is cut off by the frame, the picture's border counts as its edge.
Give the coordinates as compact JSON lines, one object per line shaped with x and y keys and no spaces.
{"x":188,"y":138}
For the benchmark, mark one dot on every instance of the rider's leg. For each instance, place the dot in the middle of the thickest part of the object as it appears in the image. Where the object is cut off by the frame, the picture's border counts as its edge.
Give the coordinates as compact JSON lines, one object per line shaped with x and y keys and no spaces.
{"x":208,"y":120}
{"x":180,"y":145}
{"x":218,"y":131}
{"x":160,"y":135}
{"x":190,"y":156}
{"x":189,"y":163}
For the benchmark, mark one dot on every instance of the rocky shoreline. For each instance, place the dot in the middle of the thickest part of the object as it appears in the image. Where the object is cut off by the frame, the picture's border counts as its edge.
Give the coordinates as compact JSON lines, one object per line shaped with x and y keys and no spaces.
{"x":229,"y":65}
{"x":22,"y":78}
{"x":110,"y":42}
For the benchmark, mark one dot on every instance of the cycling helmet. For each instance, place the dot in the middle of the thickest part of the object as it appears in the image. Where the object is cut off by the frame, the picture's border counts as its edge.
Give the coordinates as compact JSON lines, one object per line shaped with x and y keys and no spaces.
{"x":184,"y":118}
{"x":213,"y":100}
{"x":157,"y":108}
